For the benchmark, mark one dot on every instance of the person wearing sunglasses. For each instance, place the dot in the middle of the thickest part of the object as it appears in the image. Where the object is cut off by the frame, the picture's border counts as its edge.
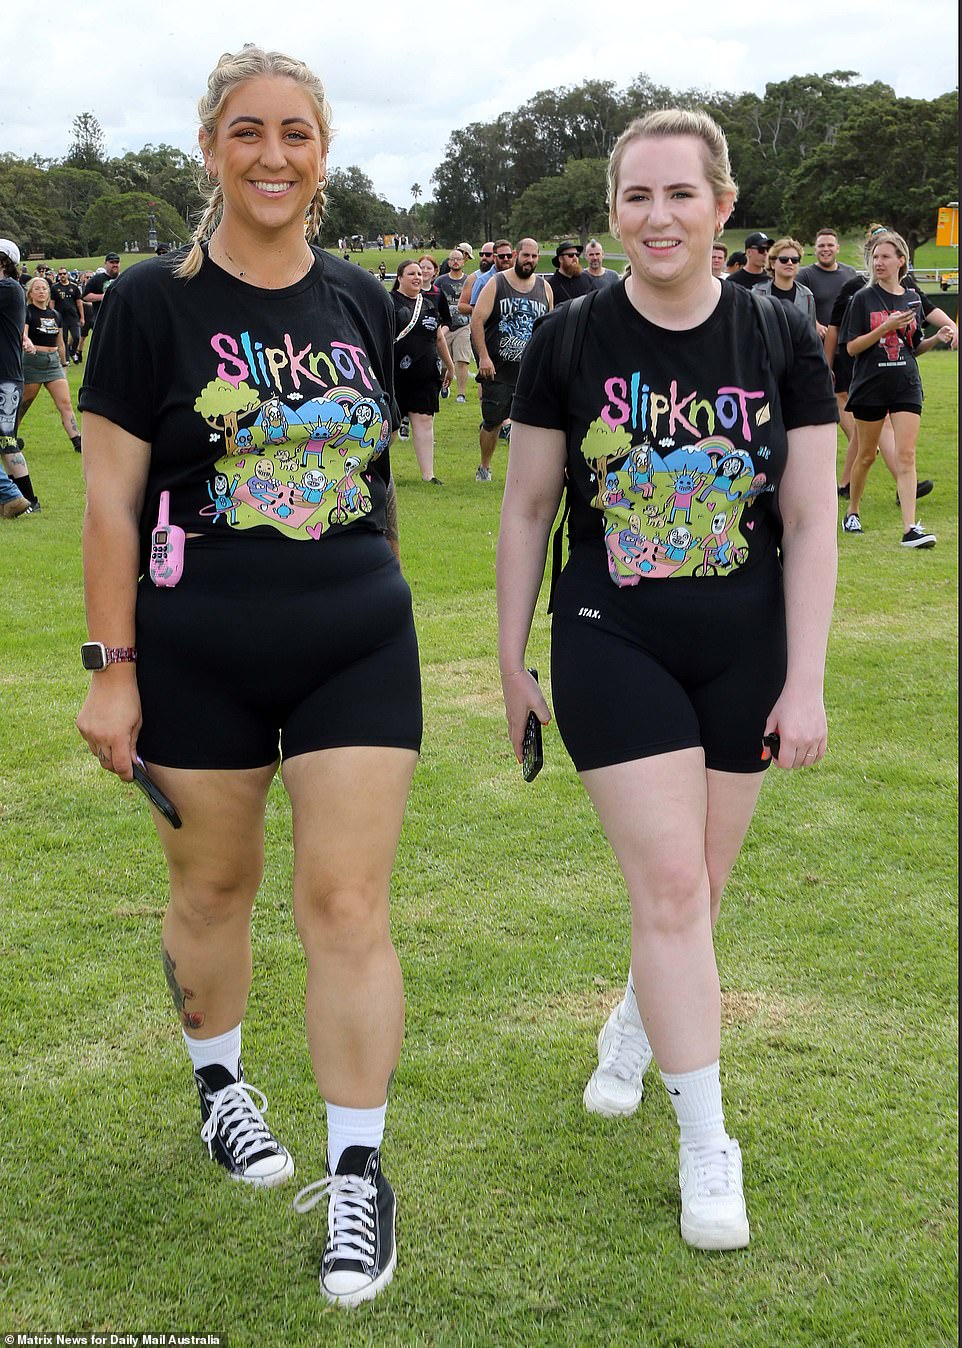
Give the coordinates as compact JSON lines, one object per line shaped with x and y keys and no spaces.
{"x":484,"y":273}
{"x":753,"y":273}
{"x":67,"y":299}
{"x":784,"y":260}
{"x":568,"y":280}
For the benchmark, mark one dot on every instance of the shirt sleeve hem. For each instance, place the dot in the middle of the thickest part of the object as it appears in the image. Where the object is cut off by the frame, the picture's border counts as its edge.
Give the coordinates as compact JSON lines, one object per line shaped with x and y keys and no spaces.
{"x":535,"y":414}
{"x":129,"y":419}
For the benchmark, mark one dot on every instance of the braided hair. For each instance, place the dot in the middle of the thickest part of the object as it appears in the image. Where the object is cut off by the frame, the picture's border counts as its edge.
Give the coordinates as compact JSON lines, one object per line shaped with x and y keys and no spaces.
{"x":232,"y":69}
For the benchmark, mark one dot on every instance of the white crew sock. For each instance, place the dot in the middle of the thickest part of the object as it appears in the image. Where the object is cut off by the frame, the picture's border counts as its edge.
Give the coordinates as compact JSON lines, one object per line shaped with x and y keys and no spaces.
{"x":352,"y":1128}
{"x":697,"y":1099}
{"x":223,"y":1049}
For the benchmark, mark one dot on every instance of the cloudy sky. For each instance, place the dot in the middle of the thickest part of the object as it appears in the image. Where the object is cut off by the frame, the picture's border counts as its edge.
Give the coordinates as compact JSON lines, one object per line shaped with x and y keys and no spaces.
{"x":396,"y":75}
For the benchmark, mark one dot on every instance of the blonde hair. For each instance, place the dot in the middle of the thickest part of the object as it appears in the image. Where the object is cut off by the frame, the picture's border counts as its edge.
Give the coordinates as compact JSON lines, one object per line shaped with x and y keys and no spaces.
{"x":675,"y":122}
{"x":897,"y":242}
{"x":232,"y":69}
{"x":39,"y":280}
{"x":777,"y":247}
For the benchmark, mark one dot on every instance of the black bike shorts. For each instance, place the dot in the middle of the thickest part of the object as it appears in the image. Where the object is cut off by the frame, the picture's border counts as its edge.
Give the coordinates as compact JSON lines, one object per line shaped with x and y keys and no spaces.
{"x":268,"y":641}
{"x":666,"y":664}
{"x":879,"y":411}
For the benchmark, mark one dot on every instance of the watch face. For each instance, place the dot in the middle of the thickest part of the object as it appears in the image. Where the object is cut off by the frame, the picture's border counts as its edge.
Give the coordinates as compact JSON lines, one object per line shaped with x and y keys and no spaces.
{"x":93,"y":655}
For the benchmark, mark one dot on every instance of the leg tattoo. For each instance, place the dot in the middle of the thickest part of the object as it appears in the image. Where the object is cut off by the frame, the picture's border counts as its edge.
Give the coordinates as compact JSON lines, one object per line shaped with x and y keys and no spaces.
{"x":191,"y":1020}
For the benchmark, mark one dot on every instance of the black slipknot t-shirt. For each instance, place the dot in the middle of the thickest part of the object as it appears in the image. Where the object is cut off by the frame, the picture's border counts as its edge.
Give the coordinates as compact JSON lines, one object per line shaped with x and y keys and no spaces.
{"x":676,"y":440}
{"x":266,"y":410}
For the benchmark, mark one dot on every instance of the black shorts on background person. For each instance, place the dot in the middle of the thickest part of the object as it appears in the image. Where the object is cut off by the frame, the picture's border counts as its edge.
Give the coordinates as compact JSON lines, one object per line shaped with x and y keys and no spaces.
{"x":882,"y":331}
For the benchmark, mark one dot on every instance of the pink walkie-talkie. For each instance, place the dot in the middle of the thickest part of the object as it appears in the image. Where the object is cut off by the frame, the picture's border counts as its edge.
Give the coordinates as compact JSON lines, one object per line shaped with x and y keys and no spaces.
{"x":166,"y":547}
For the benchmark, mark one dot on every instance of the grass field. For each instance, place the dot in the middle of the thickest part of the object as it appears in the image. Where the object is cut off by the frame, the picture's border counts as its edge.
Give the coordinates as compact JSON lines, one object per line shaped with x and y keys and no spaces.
{"x":522,"y":1219}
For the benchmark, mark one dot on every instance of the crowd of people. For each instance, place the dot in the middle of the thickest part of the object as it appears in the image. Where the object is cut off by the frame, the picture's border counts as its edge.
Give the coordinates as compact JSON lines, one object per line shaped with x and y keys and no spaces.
{"x":695,"y":455}
{"x":45,"y":321}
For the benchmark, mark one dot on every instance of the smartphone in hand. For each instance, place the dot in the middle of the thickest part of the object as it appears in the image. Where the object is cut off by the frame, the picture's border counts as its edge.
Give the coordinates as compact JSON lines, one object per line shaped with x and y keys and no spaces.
{"x":532,"y":754}
{"x":773,"y":743}
{"x":154,"y":794}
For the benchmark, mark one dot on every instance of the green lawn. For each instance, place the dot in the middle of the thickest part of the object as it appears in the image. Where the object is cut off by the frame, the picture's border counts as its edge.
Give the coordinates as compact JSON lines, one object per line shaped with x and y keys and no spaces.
{"x":522,"y":1219}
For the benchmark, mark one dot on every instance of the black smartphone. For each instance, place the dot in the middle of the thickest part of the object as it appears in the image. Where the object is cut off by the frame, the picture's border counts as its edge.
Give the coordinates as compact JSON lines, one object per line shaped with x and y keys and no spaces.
{"x":154,"y":794}
{"x":532,"y":755}
{"x":772,"y":743}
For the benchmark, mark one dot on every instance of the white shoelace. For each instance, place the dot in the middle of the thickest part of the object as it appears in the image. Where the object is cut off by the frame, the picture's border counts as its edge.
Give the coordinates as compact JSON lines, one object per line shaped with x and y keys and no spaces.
{"x":625,"y":1058}
{"x":351,"y":1216}
{"x":234,"y":1114}
{"x":714,"y":1172}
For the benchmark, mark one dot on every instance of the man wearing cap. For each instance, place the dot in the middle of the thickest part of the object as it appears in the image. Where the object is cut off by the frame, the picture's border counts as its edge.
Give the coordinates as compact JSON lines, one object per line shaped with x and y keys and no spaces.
{"x":568,"y":281}
{"x":755,"y":270}
{"x":467,"y":253}
{"x":67,"y":298}
{"x":458,"y":336}
{"x":16,"y":491}
{"x":99,"y":284}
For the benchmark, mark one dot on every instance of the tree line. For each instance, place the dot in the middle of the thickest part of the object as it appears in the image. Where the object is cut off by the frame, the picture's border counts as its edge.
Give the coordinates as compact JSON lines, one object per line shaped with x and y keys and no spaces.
{"x":88,"y":203}
{"x":813,"y":150}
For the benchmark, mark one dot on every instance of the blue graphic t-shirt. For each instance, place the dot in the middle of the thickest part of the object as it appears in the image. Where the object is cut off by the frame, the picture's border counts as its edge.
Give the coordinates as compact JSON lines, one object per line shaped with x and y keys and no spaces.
{"x":267,"y":411}
{"x":676,"y":440}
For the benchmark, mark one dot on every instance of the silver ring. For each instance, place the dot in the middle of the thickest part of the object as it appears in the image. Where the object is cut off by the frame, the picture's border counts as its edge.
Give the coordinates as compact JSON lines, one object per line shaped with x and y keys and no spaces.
{"x":101,"y":755}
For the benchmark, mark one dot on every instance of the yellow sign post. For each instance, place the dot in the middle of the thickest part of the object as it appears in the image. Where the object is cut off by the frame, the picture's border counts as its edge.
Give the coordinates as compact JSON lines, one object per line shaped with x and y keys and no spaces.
{"x":947,"y":231}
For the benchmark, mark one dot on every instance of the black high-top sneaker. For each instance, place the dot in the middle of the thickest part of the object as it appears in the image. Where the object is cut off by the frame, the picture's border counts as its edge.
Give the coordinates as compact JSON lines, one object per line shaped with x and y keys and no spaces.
{"x":234,"y":1129}
{"x":359,"y":1253}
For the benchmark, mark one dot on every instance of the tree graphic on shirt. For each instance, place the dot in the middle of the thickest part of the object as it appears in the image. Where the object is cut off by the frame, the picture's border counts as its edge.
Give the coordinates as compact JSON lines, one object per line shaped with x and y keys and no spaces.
{"x":600,"y":444}
{"x":220,"y":404}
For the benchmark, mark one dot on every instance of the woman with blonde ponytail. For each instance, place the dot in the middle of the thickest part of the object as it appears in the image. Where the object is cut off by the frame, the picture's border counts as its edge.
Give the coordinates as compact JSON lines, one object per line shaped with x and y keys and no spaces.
{"x":246,"y":607}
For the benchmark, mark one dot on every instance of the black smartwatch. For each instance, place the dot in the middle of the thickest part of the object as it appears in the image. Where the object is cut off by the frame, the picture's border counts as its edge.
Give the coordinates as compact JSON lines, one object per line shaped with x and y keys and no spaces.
{"x":94,"y":655}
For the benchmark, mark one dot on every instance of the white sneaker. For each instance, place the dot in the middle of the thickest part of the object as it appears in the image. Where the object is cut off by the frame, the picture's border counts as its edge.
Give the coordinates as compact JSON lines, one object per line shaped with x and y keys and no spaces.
{"x":616,"y":1085}
{"x":713,"y":1215}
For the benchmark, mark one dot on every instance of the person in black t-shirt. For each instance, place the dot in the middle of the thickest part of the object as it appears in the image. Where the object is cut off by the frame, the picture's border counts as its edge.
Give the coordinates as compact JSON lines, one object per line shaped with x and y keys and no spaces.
{"x":68,"y":301}
{"x":45,"y":359}
{"x":841,"y":366}
{"x":568,"y":279}
{"x":695,"y":482}
{"x":419,"y":352}
{"x":241,"y":391}
{"x":882,"y":332}
{"x":98,"y":285}
{"x":755,"y":269}
{"x":17,"y":496}
{"x":458,"y":338}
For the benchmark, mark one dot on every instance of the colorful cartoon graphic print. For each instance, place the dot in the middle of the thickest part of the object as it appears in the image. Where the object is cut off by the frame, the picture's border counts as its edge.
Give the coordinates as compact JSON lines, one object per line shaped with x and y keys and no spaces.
{"x":676,"y":509}
{"x":298,"y":438}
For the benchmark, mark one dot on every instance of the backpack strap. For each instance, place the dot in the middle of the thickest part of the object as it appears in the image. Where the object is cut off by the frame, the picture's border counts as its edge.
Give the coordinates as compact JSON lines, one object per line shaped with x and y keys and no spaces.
{"x":776,"y":335}
{"x":574,"y":325}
